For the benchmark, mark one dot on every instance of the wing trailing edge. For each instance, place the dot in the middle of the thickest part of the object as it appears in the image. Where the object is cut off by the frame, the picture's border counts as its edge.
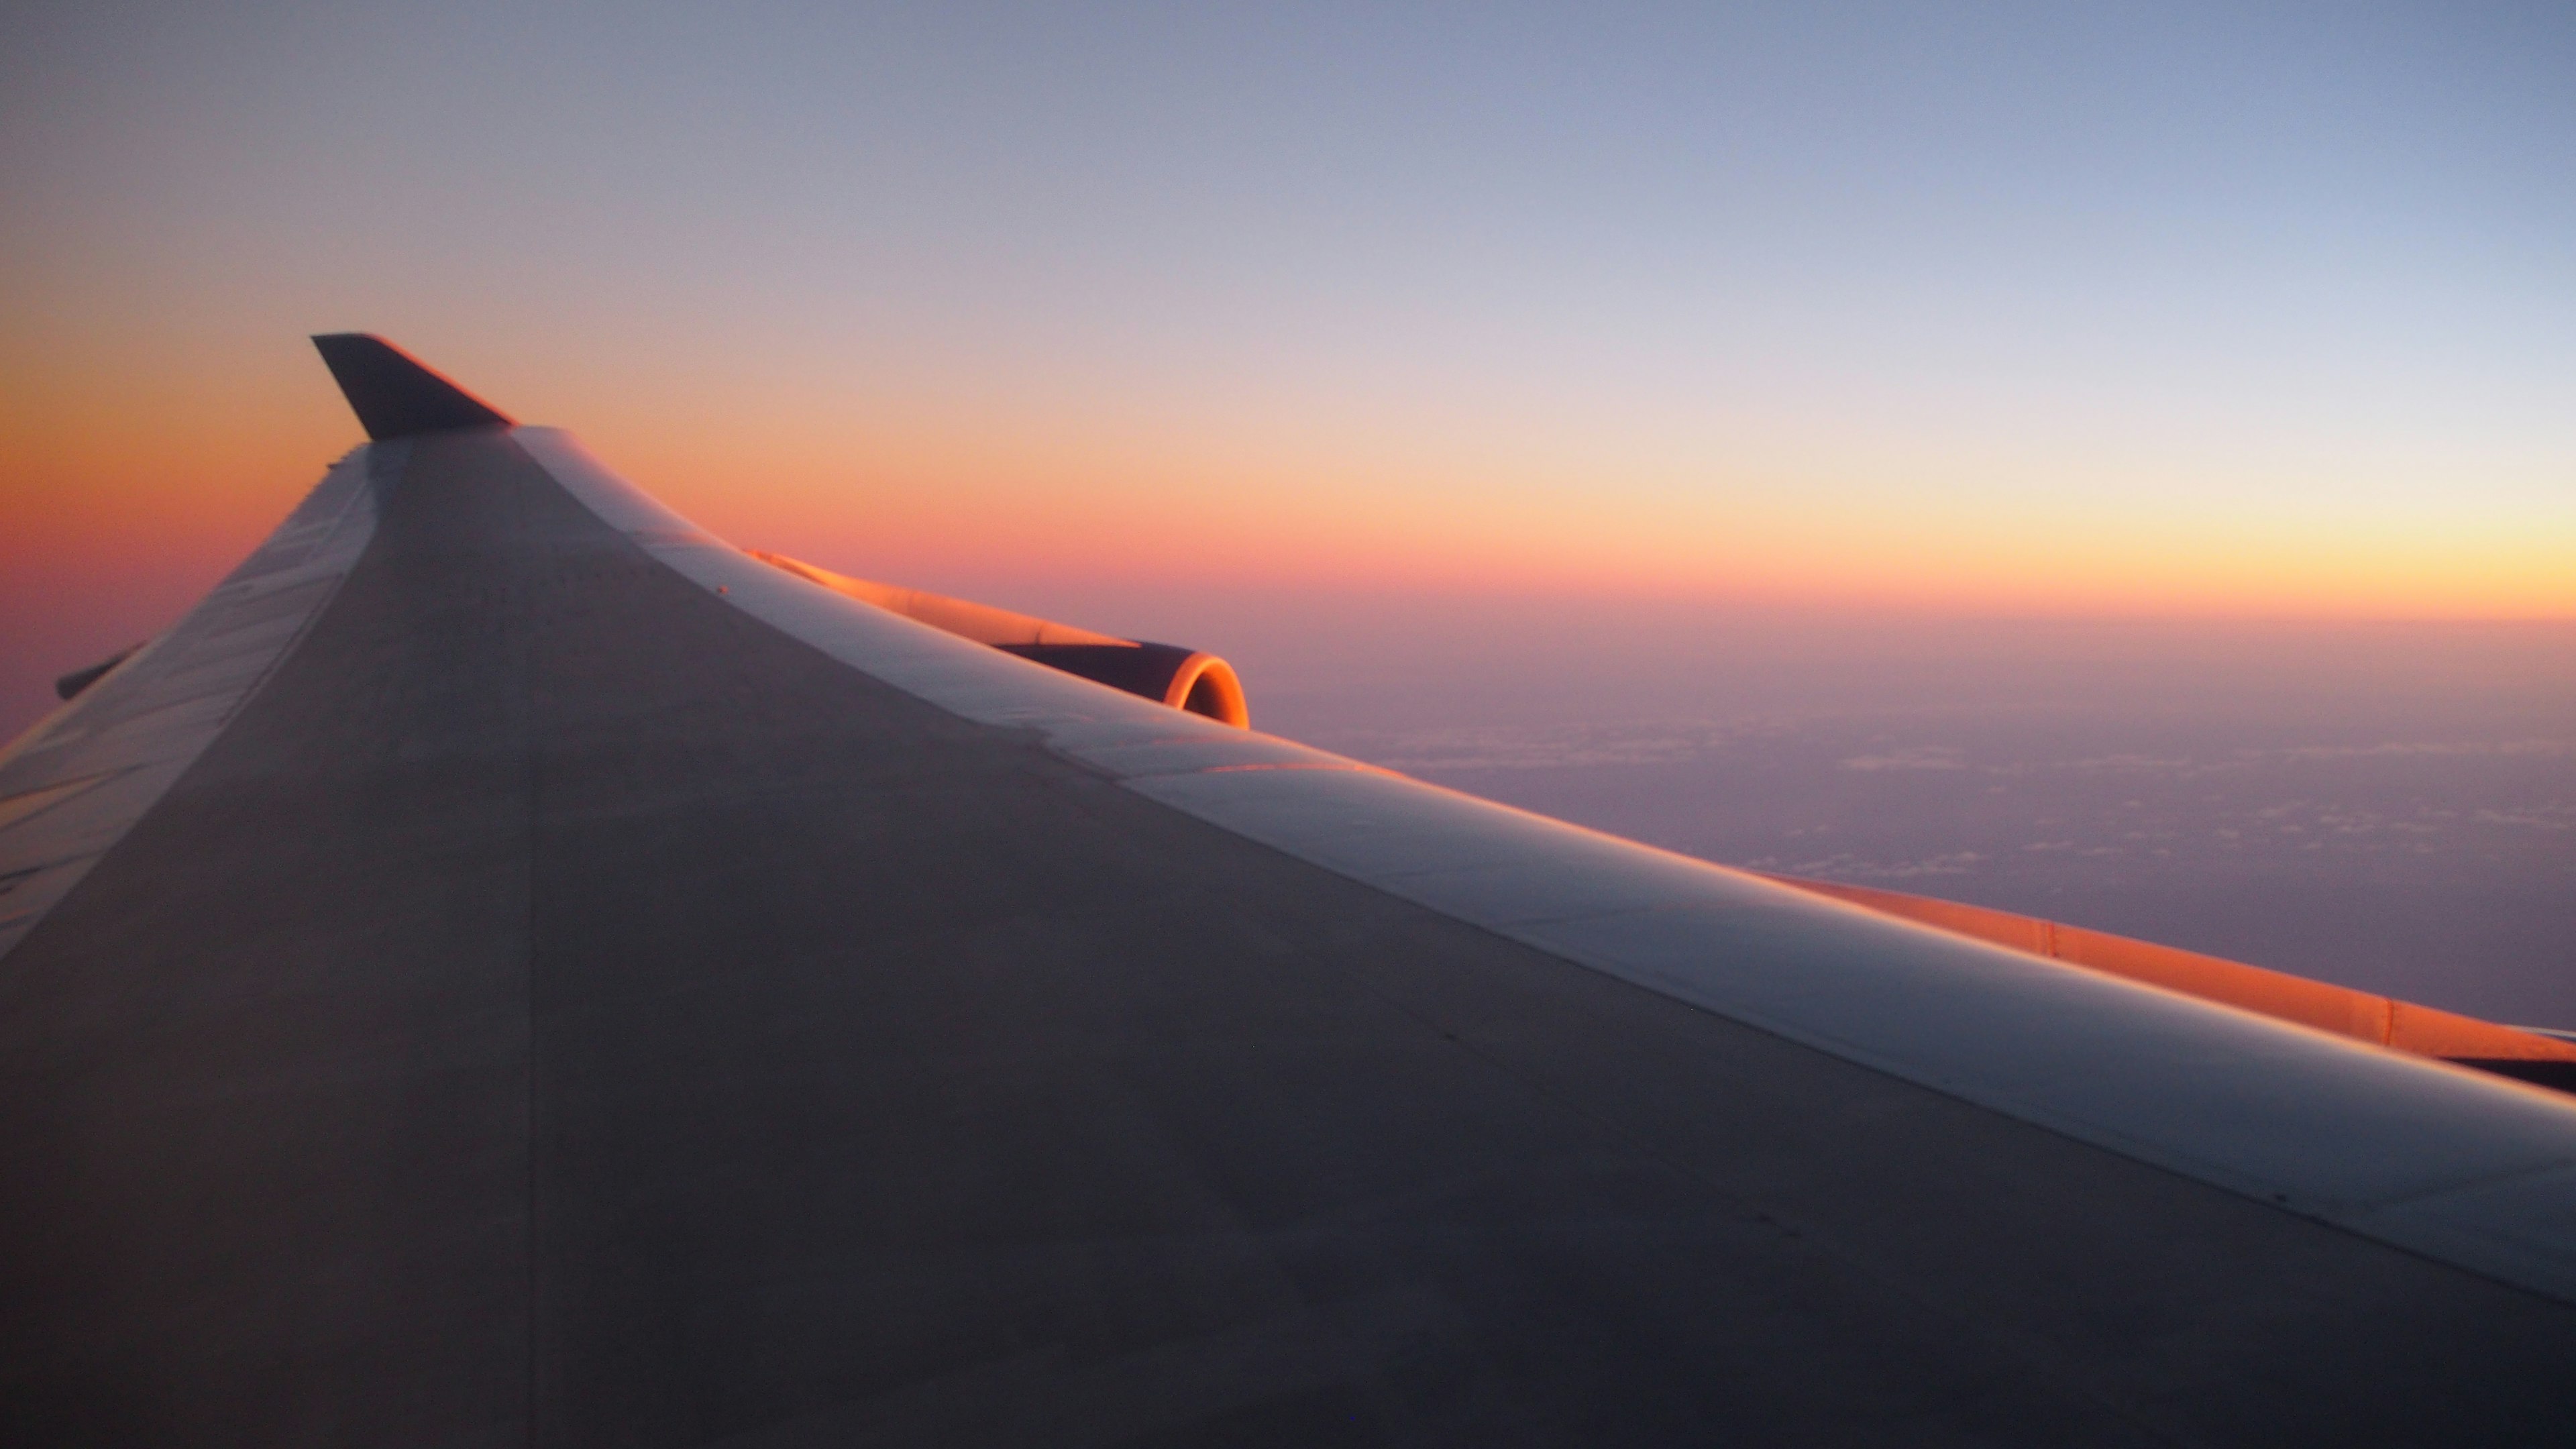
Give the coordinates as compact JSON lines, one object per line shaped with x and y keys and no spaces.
{"x":394,"y":394}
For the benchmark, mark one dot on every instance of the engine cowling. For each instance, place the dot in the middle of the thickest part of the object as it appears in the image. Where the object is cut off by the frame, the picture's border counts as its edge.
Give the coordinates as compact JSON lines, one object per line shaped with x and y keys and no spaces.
{"x":1185,"y":679}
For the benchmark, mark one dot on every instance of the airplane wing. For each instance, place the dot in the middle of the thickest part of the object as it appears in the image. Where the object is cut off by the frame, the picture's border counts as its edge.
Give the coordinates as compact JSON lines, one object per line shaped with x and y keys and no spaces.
{"x":509,"y":967}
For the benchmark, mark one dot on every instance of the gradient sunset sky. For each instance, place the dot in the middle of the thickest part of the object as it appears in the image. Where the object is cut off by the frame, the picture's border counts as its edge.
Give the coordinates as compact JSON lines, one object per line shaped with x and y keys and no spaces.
{"x":1992,"y":309}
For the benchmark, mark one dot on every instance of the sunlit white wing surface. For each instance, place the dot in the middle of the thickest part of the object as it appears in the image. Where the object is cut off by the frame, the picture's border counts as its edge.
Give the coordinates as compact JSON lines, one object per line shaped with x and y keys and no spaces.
{"x":576,"y":981}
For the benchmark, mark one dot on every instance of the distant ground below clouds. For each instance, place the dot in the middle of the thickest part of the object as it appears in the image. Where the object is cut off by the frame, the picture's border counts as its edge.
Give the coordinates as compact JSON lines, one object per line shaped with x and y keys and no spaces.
{"x":2349,"y":824}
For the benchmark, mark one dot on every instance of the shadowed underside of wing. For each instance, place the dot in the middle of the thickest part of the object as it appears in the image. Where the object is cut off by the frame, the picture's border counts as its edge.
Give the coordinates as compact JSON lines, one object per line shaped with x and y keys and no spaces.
{"x":559,"y":1001}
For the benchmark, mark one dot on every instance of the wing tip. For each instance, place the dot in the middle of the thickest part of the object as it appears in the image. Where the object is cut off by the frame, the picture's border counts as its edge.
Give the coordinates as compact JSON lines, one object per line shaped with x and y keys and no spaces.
{"x":395,"y":394}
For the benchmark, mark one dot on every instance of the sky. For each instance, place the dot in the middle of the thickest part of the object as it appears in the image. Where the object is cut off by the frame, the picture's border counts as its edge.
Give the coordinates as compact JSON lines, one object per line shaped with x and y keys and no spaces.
{"x":1451,"y":367}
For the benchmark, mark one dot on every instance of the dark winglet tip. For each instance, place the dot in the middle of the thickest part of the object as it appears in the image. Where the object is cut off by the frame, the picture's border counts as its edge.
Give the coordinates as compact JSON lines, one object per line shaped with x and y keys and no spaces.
{"x":394,"y":394}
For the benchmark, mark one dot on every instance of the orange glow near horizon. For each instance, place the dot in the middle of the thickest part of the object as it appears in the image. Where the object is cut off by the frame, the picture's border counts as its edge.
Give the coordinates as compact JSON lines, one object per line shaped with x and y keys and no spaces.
{"x":113,"y":479}
{"x":129,"y":489}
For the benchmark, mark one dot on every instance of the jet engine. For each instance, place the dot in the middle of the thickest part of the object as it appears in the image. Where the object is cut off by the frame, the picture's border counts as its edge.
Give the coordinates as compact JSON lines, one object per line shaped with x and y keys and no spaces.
{"x":1185,"y":679}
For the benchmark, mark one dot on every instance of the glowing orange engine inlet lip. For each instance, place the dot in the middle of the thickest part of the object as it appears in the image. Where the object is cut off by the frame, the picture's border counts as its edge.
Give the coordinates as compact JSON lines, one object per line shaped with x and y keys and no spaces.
{"x":1205,"y":684}
{"x":2381,"y":1020}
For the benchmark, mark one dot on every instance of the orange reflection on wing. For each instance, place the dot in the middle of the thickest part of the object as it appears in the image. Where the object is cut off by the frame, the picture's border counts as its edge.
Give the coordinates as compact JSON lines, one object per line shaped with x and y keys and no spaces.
{"x":2361,"y":1015}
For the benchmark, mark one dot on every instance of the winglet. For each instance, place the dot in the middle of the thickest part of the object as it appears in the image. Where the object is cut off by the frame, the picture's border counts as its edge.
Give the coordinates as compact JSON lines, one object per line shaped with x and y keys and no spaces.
{"x":394,"y":395}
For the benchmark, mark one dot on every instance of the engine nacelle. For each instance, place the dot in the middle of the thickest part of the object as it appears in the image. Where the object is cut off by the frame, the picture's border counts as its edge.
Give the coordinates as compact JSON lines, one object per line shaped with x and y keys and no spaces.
{"x":1182,"y":678}
{"x":1185,"y":679}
